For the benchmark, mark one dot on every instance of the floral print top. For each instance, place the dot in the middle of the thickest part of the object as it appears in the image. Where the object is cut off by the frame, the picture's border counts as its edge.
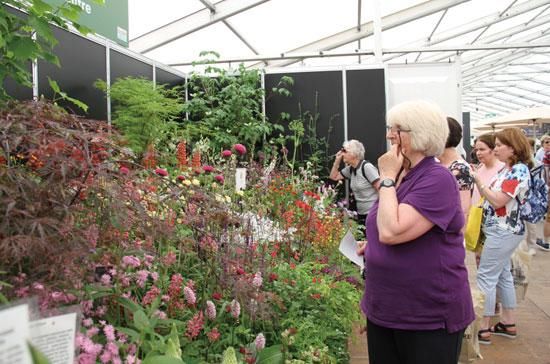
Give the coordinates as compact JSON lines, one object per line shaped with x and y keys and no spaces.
{"x":515,"y":183}
{"x":463,"y":174}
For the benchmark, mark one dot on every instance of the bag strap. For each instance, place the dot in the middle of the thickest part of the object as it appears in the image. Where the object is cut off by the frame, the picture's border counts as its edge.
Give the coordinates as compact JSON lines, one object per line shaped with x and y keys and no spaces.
{"x":363,"y":170}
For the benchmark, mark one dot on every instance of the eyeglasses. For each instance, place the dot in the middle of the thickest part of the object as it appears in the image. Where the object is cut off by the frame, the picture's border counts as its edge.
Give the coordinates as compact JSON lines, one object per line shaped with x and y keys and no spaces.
{"x":343,"y":150}
{"x":395,"y":129}
{"x":546,"y":142}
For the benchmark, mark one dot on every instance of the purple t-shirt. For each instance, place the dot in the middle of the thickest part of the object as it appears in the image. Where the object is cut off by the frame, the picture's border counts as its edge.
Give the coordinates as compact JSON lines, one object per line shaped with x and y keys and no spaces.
{"x":421,"y":284}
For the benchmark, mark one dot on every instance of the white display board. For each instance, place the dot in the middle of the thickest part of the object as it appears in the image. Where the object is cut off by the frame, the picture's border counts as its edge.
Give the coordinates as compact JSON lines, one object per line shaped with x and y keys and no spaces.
{"x":436,"y":82}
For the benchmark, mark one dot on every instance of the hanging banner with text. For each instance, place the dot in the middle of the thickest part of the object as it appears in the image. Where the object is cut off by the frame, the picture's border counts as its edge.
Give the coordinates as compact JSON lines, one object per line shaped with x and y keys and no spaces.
{"x":109,"y":19}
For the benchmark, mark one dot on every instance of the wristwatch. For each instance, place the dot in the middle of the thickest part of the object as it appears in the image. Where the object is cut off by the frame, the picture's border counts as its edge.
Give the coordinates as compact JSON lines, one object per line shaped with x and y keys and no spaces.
{"x":387,"y":182}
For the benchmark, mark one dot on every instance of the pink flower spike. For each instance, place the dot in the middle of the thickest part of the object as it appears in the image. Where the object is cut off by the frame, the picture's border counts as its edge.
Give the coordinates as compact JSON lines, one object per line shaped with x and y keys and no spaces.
{"x":207,"y":168}
{"x":220,"y":179}
{"x":161,"y":172}
{"x":239,"y":148}
{"x":226,"y":153}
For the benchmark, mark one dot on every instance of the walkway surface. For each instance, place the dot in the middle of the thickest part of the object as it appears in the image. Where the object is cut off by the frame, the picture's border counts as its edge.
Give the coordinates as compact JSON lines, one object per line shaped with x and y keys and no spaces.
{"x":532,"y":346}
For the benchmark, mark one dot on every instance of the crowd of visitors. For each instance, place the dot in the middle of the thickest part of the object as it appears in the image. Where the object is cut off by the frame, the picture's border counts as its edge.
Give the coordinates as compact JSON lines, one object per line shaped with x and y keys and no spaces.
{"x":417,"y":297}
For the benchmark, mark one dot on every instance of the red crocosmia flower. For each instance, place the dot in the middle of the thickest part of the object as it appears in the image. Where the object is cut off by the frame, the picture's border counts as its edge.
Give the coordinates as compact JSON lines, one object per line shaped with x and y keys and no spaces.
{"x":509,"y":186}
{"x":208,"y":168}
{"x":123,"y":170}
{"x":239,"y":148}
{"x":161,"y":172}
{"x":220,"y":178}
{"x":501,"y":211}
{"x":226,"y":153}
{"x":181,"y":178}
{"x":217,"y":296}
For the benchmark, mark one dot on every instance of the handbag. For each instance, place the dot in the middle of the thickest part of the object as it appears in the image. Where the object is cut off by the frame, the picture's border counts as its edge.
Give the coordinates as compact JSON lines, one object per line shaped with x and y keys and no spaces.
{"x":473,"y":226}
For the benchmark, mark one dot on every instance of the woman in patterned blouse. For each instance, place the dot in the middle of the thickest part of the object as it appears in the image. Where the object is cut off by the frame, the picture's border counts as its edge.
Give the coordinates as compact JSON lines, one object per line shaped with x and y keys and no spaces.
{"x":457,"y":165}
{"x":503,"y":230}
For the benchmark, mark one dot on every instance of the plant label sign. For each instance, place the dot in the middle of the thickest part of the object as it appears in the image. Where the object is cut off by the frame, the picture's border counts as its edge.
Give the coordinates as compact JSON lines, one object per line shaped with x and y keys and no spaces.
{"x":14,"y":334}
{"x":55,"y":337}
{"x":240,"y":179}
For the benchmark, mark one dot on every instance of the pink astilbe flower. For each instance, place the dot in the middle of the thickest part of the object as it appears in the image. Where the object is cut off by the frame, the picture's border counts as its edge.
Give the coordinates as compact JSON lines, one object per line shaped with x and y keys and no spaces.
{"x":239,"y":148}
{"x":150,"y":296}
{"x":161,"y":172}
{"x":195,"y":325}
{"x":148,"y":260}
{"x":226,"y":153}
{"x":210,"y":310}
{"x":176,"y":282}
{"x":213,"y":335}
{"x":141,"y":278}
{"x":235,"y":309}
{"x":92,"y":331}
{"x":109,"y":332}
{"x":257,"y":280}
{"x":169,"y":259}
{"x":87,"y":322}
{"x":189,"y":295}
{"x":160,"y":314}
{"x":106,"y":280}
{"x":259,"y":341}
{"x":130,"y":261}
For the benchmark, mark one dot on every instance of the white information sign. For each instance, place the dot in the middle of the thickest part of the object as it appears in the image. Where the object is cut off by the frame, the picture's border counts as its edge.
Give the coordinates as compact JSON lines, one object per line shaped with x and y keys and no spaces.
{"x":240,"y":179}
{"x":14,"y":333}
{"x":54,"y":337}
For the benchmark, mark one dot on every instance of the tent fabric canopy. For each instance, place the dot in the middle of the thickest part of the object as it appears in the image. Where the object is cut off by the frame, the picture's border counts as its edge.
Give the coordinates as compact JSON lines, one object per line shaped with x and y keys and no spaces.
{"x":503,"y":46}
{"x":525,"y":117}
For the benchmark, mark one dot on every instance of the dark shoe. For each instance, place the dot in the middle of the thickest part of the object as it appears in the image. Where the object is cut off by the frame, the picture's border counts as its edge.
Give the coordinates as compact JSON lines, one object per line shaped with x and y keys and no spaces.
{"x":543,"y":246}
{"x":484,"y":336}
{"x":504,"y":330}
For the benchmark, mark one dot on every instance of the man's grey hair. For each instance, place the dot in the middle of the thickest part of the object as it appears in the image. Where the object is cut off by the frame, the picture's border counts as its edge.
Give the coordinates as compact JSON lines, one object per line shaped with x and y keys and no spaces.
{"x":355,"y":147}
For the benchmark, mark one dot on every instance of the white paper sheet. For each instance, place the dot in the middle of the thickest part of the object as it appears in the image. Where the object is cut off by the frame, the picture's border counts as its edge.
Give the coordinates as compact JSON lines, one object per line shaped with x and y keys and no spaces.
{"x":54,"y":337}
{"x":348,"y":247}
{"x":14,"y":333}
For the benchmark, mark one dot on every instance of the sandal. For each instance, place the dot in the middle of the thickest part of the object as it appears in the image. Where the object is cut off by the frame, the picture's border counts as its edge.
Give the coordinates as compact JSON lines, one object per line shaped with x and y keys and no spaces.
{"x":485,"y":340}
{"x":504,"y":330}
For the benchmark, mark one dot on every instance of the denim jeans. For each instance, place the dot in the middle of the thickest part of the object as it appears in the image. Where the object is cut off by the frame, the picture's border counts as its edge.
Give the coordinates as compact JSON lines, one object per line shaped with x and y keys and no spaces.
{"x":494,"y":270}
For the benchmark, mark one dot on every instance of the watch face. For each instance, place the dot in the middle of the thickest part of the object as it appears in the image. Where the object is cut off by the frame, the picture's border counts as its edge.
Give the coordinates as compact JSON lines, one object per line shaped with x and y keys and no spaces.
{"x":388,"y":183}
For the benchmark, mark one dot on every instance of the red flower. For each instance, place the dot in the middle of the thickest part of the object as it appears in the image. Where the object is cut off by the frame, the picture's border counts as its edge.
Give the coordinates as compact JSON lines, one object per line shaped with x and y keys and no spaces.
{"x":213,"y":335}
{"x":226,"y":153}
{"x":208,"y":168}
{"x":181,"y":178}
{"x":239,"y":148}
{"x":161,"y":172}
{"x":273,"y":277}
{"x":239,"y":271}
{"x":220,"y":178}
{"x":217,"y":296}
{"x":123,"y":170}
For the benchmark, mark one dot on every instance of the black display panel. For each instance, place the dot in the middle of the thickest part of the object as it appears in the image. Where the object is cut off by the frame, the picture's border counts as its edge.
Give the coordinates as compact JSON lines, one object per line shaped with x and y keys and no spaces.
{"x":466,"y":135}
{"x":313,"y":92}
{"x":366,"y":105}
{"x":16,"y":90}
{"x":166,"y":78}
{"x":82,"y":62}
{"x":125,"y":66}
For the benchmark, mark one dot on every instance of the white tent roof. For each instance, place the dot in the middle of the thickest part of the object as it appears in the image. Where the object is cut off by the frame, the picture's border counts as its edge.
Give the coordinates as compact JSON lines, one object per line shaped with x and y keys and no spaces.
{"x":504,"y":46}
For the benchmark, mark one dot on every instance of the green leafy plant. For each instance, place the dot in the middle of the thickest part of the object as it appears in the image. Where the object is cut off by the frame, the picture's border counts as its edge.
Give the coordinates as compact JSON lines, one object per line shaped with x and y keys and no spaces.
{"x":60,"y":95}
{"x":29,"y":37}
{"x":145,"y":113}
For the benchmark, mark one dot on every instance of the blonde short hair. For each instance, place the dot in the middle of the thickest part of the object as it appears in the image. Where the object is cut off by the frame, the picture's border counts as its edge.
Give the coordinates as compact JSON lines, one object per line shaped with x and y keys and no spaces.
{"x":427,"y":124}
{"x":544,"y":137}
{"x":355,"y":147}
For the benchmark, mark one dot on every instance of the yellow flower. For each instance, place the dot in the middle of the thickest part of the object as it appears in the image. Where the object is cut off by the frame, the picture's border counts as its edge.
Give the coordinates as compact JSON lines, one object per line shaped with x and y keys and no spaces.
{"x":227,"y":199}
{"x":196,"y":182}
{"x":240,"y":192}
{"x":186,"y":182}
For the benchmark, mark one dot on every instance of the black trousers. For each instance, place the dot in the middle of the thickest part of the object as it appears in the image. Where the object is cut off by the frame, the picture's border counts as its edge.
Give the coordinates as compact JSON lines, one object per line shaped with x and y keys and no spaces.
{"x":361,"y":219}
{"x":391,"y":346}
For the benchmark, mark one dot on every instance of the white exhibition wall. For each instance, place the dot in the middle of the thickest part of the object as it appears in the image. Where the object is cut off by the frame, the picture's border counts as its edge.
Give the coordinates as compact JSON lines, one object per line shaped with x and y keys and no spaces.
{"x":436,"y":82}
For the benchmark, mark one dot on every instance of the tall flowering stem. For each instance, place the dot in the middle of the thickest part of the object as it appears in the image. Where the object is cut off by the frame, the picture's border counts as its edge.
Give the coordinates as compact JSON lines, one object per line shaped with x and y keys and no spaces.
{"x":182,"y":154}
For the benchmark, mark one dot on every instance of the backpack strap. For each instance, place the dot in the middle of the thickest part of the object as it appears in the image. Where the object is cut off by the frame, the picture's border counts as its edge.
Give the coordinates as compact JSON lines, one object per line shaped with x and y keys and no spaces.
{"x":363,"y":170}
